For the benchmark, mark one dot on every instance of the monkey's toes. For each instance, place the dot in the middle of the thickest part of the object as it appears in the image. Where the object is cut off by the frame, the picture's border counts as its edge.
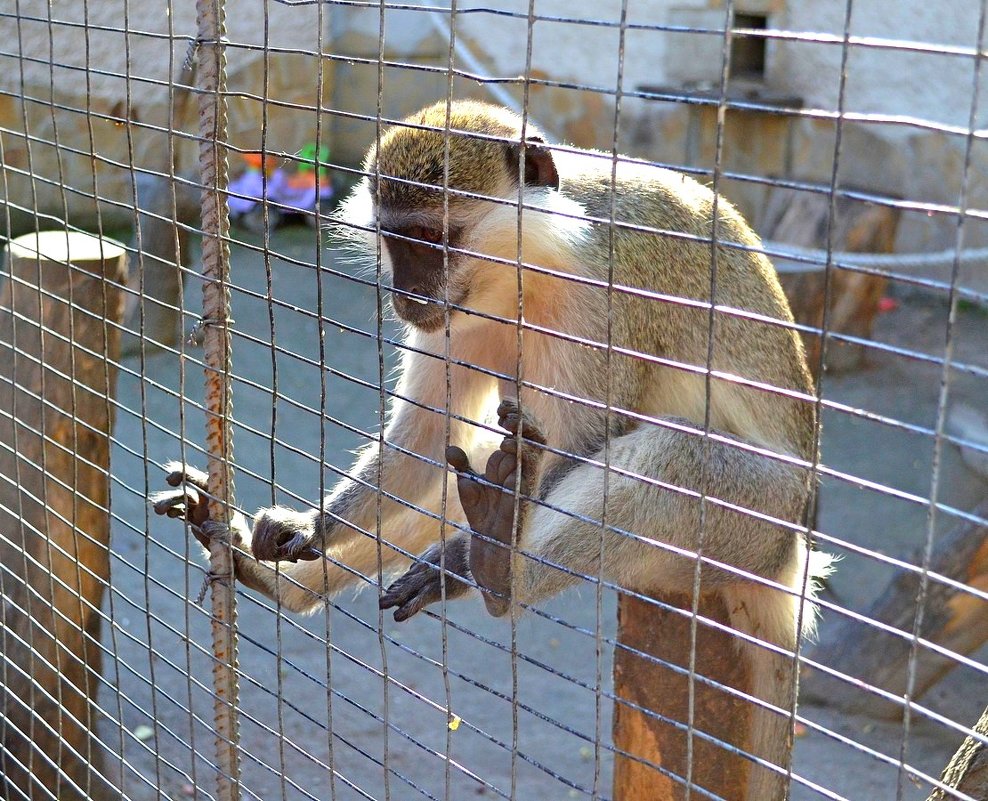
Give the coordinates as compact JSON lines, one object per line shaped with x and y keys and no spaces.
{"x":501,"y":468}
{"x":507,"y":406}
{"x":458,"y":460}
{"x":513,"y":420}
{"x":409,"y":594}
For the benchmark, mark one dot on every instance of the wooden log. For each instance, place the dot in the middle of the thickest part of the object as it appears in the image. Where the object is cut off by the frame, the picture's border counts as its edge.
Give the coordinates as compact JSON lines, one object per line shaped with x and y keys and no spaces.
{"x":952,"y":618}
{"x":161,"y":240}
{"x":800,"y":218}
{"x":164,"y":207}
{"x":967,"y":771}
{"x":57,"y":375}
{"x":654,"y":698}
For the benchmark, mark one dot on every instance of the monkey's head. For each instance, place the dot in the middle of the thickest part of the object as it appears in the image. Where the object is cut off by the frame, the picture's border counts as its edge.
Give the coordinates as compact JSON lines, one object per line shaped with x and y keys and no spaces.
{"x":444,"y":191}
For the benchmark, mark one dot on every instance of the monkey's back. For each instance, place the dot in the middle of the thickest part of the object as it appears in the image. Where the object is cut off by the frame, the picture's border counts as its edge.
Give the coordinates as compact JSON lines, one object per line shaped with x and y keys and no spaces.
{"x":665,"y":273}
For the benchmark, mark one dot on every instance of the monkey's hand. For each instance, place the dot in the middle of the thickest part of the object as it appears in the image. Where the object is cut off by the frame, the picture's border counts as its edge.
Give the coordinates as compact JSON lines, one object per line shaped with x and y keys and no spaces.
{"x":489,"y":502}
{"x":422,"y":584}
{"x":190,"y":501}
{"x":282,"y":534}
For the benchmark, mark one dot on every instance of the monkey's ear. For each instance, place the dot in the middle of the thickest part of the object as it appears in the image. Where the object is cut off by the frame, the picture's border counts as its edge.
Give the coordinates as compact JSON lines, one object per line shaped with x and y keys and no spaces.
{"x":540,"y":168}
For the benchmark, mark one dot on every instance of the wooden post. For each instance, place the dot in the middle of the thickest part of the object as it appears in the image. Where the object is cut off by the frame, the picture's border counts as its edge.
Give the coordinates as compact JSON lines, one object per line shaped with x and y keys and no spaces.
{"x":659,"y":694}
{"x":57,"y":374}
{"x":155,"y":300}
{"x":164,"y":206}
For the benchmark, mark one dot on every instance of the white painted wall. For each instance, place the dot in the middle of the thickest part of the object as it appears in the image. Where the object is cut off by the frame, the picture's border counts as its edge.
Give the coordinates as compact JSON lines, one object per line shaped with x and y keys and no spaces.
{"x":125,"y":41}
{"x":928,"y":86}
{"x":124,"y":38}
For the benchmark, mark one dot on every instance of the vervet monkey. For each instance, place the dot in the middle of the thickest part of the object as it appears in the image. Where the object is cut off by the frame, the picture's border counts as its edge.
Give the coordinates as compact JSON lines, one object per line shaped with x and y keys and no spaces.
{"x":572,"y":295}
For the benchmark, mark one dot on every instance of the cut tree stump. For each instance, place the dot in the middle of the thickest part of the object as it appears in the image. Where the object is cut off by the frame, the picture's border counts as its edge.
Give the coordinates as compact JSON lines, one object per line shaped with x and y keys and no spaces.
{"x":953,"y":618}
{"x":800,"y":218}
{"x":60,"y":309}
{"x":653,"y":699}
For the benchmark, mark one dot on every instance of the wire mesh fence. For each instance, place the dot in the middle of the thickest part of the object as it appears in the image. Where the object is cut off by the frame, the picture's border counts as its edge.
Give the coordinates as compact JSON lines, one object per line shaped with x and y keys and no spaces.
{"x":684,"y":456}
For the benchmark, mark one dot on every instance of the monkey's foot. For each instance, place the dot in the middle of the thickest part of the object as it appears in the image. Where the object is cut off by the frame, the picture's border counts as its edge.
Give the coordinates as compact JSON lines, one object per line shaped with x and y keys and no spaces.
{"x":489,"y":501}
{"x":422,"y":584}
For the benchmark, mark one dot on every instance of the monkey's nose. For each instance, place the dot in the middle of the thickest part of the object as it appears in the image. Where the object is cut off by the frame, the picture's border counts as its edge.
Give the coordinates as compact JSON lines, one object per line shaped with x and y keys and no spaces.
{"x":415,"y":292}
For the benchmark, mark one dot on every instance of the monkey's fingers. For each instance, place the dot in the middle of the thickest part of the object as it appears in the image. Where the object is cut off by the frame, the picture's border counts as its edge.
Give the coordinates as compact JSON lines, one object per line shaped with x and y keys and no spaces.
{"x":414,"y":591}
{"x":175,"y":504}
{"x":310,"y":554}
{"x":284,"y":547}
{"x":185,"y":504}
{"x":458,"y":460}
{"x":179,"y":474}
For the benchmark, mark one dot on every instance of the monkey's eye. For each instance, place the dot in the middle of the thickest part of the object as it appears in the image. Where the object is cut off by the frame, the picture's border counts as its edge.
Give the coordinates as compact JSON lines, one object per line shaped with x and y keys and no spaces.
{"x":433,"y":236}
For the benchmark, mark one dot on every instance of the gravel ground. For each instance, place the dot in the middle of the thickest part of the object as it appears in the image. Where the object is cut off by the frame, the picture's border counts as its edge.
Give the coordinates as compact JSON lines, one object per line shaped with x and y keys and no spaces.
{"x":367,"y":715}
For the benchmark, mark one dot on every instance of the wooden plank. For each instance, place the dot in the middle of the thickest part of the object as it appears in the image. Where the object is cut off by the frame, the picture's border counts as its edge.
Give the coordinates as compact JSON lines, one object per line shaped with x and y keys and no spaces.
{"x":952,"y":618}
{"x":57,"y":374}
{"x":161,"y":241}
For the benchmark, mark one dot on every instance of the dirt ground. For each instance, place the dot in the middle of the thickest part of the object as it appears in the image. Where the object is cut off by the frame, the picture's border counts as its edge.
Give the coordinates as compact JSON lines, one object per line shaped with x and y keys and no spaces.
{"x":346,"y":704}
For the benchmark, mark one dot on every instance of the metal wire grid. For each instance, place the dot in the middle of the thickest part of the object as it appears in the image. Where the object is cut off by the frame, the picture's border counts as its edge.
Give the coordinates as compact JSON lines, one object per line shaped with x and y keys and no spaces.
{"x":294,"y":748}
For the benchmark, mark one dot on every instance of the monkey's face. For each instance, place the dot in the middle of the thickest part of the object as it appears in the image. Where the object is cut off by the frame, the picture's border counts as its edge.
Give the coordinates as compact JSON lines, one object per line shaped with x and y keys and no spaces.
{"x":440,"y":188}
{"x":420,"y":264}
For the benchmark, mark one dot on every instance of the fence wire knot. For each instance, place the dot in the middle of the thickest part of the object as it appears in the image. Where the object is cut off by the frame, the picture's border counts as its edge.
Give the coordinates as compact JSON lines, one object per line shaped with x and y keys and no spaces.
{"x":198,"y":329}
{"x":215,"y":531}
{"x":211,"y":577}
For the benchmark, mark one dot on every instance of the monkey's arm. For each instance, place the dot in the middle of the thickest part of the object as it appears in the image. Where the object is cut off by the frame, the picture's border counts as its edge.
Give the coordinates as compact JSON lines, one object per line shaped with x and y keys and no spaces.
{"x":189,"y":502}
{"x":403,"y":479}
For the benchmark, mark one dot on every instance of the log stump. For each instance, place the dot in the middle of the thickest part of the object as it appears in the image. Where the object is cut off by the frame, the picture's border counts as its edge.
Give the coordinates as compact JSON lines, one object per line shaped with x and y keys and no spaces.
{"x":60,"y":309}
{"x":800,"y":218}
{"x":652,"y":707}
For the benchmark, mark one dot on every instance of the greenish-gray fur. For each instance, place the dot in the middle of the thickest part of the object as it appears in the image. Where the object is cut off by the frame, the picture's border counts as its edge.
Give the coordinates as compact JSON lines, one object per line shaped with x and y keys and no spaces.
{"x":615,"y":312}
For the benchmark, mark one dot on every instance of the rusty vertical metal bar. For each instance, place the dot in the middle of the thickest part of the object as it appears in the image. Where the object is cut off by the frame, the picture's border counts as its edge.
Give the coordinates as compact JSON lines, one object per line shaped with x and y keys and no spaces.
{"x":211,"y":83}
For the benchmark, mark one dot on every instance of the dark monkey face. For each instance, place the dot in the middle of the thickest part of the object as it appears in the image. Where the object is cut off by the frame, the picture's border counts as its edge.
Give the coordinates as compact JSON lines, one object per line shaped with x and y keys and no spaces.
{"x":456,"y":168}
{"x":420,"y":266}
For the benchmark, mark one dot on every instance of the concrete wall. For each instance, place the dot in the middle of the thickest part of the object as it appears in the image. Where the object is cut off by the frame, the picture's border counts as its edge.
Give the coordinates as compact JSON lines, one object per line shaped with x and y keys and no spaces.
{"x":575,"y":47}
